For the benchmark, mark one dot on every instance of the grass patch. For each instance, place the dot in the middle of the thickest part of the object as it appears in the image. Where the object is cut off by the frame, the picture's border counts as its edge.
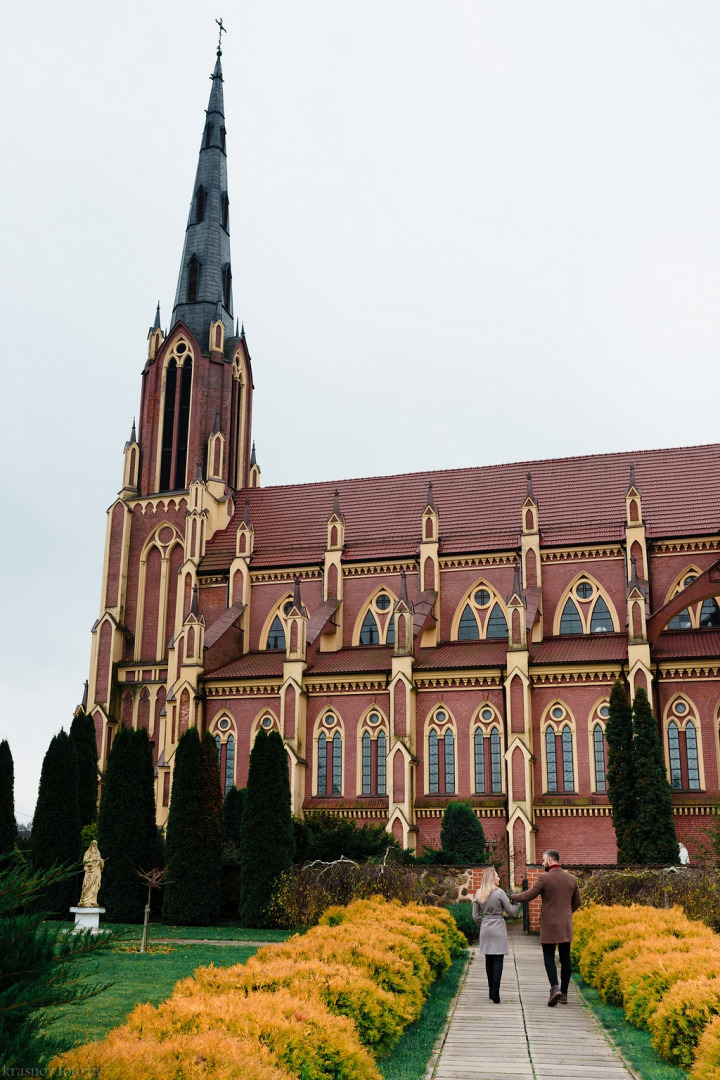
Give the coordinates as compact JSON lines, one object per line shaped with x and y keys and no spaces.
{"x":138,"y":977}
{"x":409,"y":1059}
{"x":635,"y":1045}
{"x":222,"y":932}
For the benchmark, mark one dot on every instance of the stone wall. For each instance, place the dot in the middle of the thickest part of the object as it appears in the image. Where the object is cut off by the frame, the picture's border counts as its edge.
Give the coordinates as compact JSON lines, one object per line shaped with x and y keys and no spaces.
{"x":442,"y":885}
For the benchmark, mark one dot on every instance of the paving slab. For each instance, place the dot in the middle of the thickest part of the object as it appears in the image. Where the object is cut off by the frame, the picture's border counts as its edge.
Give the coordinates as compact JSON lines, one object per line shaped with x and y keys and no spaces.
{"x":521,"y":1038}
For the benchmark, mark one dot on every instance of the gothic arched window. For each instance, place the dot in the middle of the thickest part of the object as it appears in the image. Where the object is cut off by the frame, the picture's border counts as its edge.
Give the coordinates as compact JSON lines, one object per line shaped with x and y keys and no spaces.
{"x":600,"y":758}
{"x":276,"y":636}
{"x":683,"y":753}
{"x":710,"y":613}
{"x":322,"y":764}
{"x":374,"y":761}
{"x":601,"y":622}
{"x":496,"y":624}
{"x":441,"y":756}
{"x":227,"y":286}
{"x":369,"y":633}
{"x":200,"y":205}
{"x":681,"y":621}
{"x":468,"y":627}
{"x":225,"y":211}
{"x":570,"y":622}
{"x":559,"y":757}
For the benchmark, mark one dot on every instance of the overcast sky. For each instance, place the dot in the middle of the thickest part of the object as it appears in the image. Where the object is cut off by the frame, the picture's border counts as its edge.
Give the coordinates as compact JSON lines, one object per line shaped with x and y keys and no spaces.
{"x":463,"y":232}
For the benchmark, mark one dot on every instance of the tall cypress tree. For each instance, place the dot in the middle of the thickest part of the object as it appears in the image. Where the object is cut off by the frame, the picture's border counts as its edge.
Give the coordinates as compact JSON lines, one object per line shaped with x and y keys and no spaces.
{"x":56,"y":825}
{"x":8,"y":827}
{"x":461,"y":832}
{"x":126,"y":826}
{"x":620,"y":774}
{"x":193,"y":846}
{"x":267,"y":843}
{"x":82,"y":733}
{"x":653,"y":828}
{"x":233,"y":809}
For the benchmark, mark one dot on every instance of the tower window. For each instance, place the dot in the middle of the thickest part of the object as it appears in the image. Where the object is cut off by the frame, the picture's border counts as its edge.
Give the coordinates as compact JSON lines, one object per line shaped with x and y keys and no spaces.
{"x":227,"y":287}
{"x":225,"y":211}
{"x":200,"y":204}
{"x":208,"y":134}
{"x":222,"y":138}
{"x":168,"y":426}
{"x":183,"y":422}
{"x":193,"y":277}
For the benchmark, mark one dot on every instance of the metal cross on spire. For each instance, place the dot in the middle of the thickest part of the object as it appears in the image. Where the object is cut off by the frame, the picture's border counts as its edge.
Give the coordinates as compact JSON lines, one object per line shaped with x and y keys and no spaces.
{"x":223,"y":30}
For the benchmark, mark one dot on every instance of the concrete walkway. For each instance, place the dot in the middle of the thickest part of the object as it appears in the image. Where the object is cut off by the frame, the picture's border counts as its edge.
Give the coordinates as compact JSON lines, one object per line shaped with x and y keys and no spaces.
{"x":522,"y":1039}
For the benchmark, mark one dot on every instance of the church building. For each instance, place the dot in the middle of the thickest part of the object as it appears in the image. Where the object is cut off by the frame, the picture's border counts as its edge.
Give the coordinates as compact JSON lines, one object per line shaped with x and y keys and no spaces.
{"x":414,"y":638}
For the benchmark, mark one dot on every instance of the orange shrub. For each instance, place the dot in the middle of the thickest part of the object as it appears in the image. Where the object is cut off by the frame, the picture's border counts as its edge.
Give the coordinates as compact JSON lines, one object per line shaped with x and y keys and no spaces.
{"x":207,"y":1055}
{"x":650,"y":975}
{"x":707,"y":1058}
{"x":682,"y":1016}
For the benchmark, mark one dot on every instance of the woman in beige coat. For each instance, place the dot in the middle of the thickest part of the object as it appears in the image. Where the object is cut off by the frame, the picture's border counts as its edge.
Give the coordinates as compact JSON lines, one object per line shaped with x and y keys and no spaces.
{"x":489,"y":903}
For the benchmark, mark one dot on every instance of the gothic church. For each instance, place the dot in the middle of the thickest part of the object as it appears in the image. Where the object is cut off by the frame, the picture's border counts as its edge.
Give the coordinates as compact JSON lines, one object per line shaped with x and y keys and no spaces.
{"x":413,"y":638}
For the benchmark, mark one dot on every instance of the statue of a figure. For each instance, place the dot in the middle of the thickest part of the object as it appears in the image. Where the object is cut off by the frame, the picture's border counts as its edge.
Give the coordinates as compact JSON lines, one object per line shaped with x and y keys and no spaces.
{"x":91,"y":882}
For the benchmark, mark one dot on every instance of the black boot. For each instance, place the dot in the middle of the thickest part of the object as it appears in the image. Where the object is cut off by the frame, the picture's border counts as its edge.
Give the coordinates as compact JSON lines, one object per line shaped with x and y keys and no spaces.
{"x":495,"y":993}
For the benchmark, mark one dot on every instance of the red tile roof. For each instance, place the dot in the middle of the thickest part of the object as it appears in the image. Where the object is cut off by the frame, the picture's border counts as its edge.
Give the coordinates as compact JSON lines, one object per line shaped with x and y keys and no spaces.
{"x":688,"y":644}
{"x":582,"y":500}
{"x":370,"y":658}
{"x":260,"y":665}
{"x":464,"y":654}
{"x":571,"y":649}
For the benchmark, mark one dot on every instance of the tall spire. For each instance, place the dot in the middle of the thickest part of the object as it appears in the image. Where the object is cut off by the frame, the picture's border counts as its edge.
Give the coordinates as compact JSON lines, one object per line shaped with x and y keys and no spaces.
{"x":205,"y":270}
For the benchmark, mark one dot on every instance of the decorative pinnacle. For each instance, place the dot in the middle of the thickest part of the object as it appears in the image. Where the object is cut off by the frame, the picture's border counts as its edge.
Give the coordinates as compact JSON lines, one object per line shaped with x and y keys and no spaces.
{"x":133,"y":432}
{"x":198,"y":472}
{"x":403,"y":587}
{"x":216,"y":425}
{"x":156,"y":324}
{"x":297,"y":602}
{"x":632,"y":474}
{"x":336,"y":504}
{"x":223,"y":30}
{"x":430,"y":501}
{"x":517,"y":584}
{"x":242,"y":330}
{"x":194,"y":608}
{"x":246,"y":513}
{"x":253,"y":459}
{"x":529,"y":486}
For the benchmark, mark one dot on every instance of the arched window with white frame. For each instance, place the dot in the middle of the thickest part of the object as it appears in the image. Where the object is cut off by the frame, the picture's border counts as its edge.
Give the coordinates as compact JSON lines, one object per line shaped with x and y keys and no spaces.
{"x":704,"y":615}
{"x":559,"y":750}
{"x":375,"y":625}
{"x":683,"y":745}
{"x":585,"y":608}
{"x":480,"y":615}
{"x":223,"y":731}
{"x":329,"y":751}
{"x":373,"y":754}
{"x":487,"y":752}
{"x":598,"y":746}
{"x":441,"y":754}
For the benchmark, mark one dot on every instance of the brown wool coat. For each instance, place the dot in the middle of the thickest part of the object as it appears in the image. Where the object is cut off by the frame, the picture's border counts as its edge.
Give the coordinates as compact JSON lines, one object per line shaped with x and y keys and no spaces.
{"x":560,"y":897}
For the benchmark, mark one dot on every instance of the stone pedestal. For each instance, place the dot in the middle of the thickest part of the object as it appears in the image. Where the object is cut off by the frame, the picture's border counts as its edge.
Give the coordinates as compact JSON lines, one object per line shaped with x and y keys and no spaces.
{"x":88,"y":918}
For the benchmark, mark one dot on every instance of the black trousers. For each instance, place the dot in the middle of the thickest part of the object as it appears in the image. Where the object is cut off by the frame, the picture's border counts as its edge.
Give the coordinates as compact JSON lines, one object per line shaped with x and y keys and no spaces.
{"x":493,"y":968}
{"x":565,"y":966}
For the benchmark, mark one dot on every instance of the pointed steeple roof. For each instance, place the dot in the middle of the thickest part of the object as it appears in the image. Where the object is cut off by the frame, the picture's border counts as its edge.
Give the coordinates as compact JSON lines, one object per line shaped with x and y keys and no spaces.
{"x":156,"y":325}
{"x":430,"y":500}
{"x":205,"y":267}
{"x":133,"y":432}
{"x":246,"y":513}
{"x":253,"y":459}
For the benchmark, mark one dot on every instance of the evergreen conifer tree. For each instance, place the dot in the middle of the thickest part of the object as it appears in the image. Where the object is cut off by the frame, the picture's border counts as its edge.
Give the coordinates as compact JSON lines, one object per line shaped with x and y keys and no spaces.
{"x":462,"y":834}
{"x":82,"y":733}
{"x":267,"y":844}
{"x":653,"y":828}
{"x":56,"y":826}
{"x":620,"y":774}
{"x":193,"y":846}
{"x":126,"y":826}
{"x":8,"y":827}
{"x":233,"y":808}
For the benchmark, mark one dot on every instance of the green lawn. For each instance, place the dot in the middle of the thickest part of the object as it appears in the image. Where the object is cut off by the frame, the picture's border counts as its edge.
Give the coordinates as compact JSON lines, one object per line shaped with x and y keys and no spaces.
{"x":409,"y":1059}
{"x":139,"y":977}
{"x":223,"y":932}
{"x":635,"y":1045}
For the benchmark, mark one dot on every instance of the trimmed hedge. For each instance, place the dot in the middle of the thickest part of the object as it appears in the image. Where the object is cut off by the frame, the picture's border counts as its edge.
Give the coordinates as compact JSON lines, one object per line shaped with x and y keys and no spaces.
{"x":664,"y":969}
{"x":320,"y":1006}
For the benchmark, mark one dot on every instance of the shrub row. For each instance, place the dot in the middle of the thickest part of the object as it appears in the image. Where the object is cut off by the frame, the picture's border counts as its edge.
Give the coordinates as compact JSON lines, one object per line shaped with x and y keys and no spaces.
{"x":320,"y":1006}
{"x":664,"y":969}
{"x":696,"y":889}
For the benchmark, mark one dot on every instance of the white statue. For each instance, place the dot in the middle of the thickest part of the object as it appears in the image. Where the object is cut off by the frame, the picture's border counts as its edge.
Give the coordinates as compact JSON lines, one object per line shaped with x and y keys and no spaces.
{"x":684,"y":855}
{"x":91,"y":882}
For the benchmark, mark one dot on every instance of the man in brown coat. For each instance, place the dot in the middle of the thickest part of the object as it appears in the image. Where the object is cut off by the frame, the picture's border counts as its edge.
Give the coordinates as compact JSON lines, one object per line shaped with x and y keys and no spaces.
{"x":560,"y":897}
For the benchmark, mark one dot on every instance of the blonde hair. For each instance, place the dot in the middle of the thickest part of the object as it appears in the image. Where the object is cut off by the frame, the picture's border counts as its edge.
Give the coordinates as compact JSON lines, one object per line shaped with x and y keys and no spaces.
{"x":487,"y":884}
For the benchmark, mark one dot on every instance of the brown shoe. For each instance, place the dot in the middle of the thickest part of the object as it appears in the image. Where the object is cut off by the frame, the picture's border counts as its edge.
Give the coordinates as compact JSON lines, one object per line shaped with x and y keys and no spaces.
{"x":555,"y":996}
{"x":563,"y":999}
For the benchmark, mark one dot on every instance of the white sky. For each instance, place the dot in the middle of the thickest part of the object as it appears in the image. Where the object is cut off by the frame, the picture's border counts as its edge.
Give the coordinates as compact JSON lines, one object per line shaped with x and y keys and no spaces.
{"x":463,"y":232}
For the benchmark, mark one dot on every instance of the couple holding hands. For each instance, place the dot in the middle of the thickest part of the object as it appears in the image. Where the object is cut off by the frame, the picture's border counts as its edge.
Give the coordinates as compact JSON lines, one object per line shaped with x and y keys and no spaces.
{"x":561,"y":897}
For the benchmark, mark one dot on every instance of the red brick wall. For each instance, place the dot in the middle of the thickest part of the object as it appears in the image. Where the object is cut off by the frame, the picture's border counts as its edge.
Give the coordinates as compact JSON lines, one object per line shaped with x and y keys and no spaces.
{"x":114,"y":555}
